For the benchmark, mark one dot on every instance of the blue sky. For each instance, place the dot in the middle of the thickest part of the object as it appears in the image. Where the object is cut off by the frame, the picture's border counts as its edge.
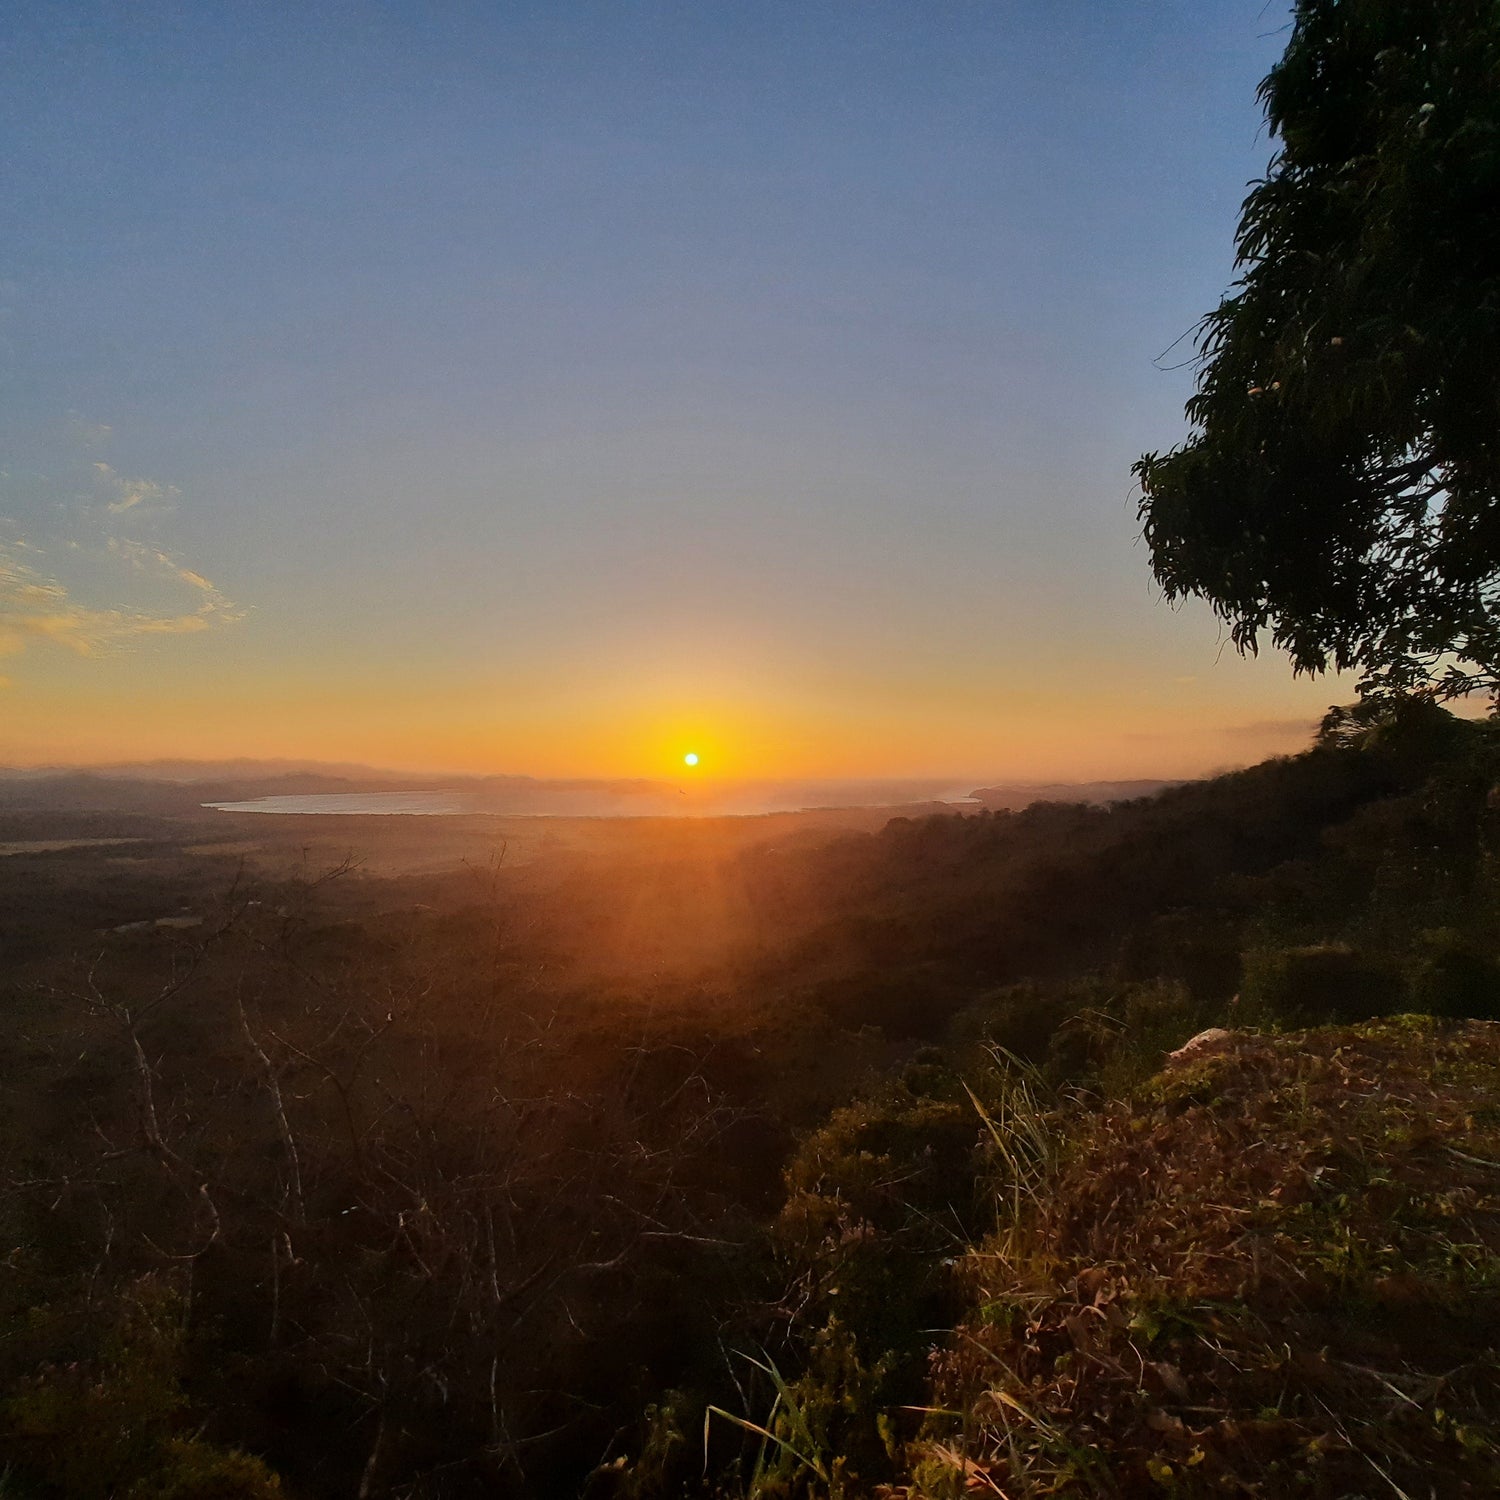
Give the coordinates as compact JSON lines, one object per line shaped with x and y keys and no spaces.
{"x":534,"y":386}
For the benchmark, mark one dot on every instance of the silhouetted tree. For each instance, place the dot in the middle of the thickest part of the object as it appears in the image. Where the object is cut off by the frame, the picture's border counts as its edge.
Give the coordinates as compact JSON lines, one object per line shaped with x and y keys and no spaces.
{"x":1341,"y":491}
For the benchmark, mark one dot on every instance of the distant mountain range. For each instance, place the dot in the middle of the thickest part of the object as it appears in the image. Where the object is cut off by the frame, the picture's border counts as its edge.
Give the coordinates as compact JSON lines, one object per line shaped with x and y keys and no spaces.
{"x":216,"y":770}
{"x":177,"y":787}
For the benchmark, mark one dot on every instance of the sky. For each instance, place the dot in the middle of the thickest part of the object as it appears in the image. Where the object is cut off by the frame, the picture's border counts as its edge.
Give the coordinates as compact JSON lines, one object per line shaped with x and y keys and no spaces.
{"x":560,"y":387}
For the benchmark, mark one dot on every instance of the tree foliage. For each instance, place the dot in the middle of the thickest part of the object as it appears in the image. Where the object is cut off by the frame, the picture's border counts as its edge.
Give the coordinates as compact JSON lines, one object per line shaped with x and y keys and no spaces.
{"x":1341,"y":490}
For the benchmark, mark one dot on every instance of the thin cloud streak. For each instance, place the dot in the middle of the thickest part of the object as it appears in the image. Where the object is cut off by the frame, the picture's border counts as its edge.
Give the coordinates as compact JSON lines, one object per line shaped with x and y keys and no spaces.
{"x":138,"y":498}
{"x":1272,"y":728}
{"x":37,"y":607}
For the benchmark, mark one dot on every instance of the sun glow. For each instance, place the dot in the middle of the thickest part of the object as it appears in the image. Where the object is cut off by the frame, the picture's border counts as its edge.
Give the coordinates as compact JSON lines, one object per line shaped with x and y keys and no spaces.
{"x":691,"y":758}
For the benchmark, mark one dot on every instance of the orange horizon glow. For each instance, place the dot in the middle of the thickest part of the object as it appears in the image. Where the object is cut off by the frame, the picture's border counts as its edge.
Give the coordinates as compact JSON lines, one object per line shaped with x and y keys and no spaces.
{"x":1038,"y":735}
{"x":685,"y":425}
{"x":635,"y":708}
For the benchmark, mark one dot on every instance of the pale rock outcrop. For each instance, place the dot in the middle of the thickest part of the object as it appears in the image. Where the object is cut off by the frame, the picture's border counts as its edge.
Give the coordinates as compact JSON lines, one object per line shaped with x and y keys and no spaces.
{"x":1206,"y":1041}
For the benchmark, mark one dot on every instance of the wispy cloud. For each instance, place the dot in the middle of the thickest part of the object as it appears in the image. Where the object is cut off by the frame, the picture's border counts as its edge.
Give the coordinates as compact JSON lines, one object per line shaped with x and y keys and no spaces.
{"x":140,"y":498}
{"x":80,"y":574}
{"x":1262,"y":729}
{"x":35,"y":606}
{"x":156,"y":563}
{"x":1264,"y":733}
{"x":85,"y":433}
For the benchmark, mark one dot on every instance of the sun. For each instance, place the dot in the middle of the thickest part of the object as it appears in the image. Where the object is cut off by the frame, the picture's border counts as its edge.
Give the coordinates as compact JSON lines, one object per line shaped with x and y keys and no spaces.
{"x":691,"y":758}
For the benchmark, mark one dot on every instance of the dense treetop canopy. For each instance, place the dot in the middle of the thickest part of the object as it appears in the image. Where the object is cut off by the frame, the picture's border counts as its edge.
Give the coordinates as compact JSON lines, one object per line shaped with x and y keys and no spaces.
{"x":1341,"y":489}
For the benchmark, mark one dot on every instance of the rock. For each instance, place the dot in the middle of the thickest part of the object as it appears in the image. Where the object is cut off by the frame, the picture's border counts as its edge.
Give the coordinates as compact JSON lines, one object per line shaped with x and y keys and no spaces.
{"x":1205,"y":1041}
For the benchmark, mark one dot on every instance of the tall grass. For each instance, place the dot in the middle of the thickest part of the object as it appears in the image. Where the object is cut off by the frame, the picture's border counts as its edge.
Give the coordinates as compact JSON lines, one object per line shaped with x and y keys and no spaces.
{"x":787,"y":1427}
{"x":1022,"y":1139}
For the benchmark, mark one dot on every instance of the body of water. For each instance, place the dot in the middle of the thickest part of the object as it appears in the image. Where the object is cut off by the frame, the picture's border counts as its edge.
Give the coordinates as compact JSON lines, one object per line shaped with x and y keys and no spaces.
{"x":726,"y":800}
{"x":429,"y":804}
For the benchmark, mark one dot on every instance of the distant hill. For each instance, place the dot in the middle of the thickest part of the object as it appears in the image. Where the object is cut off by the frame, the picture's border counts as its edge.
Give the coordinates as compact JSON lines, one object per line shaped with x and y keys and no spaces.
{"x":178,"y":787}
{"x":316,"y":775}
{"x":89,"y":791}
{"x":239,"y":768}
{"x":184,"y":787}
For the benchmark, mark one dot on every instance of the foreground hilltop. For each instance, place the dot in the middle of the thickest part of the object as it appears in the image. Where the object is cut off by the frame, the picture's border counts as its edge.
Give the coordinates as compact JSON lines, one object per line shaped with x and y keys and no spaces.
{"x":1274,"y":1269}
